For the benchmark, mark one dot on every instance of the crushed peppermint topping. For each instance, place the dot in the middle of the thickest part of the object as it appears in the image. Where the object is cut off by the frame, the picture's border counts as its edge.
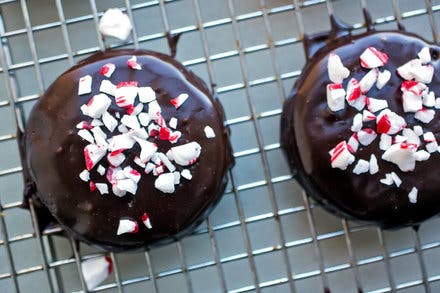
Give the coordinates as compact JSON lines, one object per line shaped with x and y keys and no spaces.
{"x":95,"y":270}
{"x":146,"y":220}
{"x":127,"y":226}
{"x":400,"y":145}
{"x":85,"y":85}
{"x":107,"y":69}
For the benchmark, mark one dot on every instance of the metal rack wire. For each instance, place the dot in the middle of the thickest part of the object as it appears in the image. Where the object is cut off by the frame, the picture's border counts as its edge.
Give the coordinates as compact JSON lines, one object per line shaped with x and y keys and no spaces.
{"x":289,"y":279}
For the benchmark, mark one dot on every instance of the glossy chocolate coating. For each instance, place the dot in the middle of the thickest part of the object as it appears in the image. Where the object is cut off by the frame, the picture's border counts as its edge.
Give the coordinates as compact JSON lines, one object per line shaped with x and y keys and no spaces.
{"x":54,"y":155}
{"x":309,"y":130}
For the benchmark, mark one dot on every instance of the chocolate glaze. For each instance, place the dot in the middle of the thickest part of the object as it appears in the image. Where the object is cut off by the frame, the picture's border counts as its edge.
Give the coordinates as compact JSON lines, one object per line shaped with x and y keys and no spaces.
{"x":309,"y":130}
{"x":54,"y":157}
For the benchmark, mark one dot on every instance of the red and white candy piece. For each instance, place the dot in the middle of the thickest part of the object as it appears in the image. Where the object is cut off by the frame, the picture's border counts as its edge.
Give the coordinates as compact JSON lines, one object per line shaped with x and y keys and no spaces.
{"x":406,"y":70}
{"x":425,"y":115}
{"x":165,"y":183}
{"x":411,"y":136}
{"x":374,"y":167}
{"x":431,"y":144}
{"x":337,"y":72}
{"x":125,"y":93}
{"x":93,"y":154}
{"x":385,"y":141}
{"x":176,"y":177}
{"x":84,"y":125}
{"x":209,"y":132}
{"x":148,"y":149}
{"x":86,"y":135}
{"x":97,"y":105}
{"x":401,"y":154}
{"x":146,"y":94}
{"x":100,"y":170}
{"x":353,"y":143}
{"x":144,"y":119}
{"x":414,"y":69}
{"x":96,"y":270}
{"x":357,"y":123}
{"x":84,"y":175}
{"x":122,"y":128}
{"x":149,"y":168}
{"x":428,"y":98}
{"x":366,"y":136}
{"x":335,"y":97}
{"x":132,"y":174}
{"x":127,"y":185}
{"x":186,"y":174}
{"x":154,"y":110}
{"x":418,"y":130}
{"x":369,"y":80}
{"x":341,"y":156}
{"x":96,"y":122}
{"x":368,"y":116}
{"x":133,"y":64}
{"x":109,"y":121}
{"x":412,"y":195}
{"x":411,"y":102}
{"x":85,"y":85}
{"x":107,"y":87}
{"x":173,"y":123}
{"x":186,"y":154}
{"x":122,"y":141}
{"x":127,"y":226}
{"x":422,"y":155}
{"x":107,"y":69}
{"x":179,"y":100}
{"x":424,"y":55}
{"x":166,"y":162}
{"x":383,"y":78}
{"x":116,"y":158}
{"x":413,"y":86}
{"x":115,"y":24}
{"x":373,"y":58}
{"x":146,"y":220}
{"x":354,"y":96}
{"x":375,"y":105}
{"x":130,"y":121}
{"x":102,"y":188}
{"x":389,"y":122}
{"x":361,"y":167}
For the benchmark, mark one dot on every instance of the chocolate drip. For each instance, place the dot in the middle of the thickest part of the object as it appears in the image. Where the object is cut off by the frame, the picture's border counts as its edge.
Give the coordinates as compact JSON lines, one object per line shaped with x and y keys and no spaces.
{"x":173,"y":40}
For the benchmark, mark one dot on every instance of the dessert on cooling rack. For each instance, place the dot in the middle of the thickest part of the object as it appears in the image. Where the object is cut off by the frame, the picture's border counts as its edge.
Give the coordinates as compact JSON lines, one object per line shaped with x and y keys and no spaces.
{"x":361,"y":126}
{"x":127,"y":149}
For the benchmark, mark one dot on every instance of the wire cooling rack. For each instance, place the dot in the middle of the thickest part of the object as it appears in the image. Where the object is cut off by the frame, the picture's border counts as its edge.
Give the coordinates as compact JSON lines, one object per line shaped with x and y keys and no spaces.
{"x":265,"y":235}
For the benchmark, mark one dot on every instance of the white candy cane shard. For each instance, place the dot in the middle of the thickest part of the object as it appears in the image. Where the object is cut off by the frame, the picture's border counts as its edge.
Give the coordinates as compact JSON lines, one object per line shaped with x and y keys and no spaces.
{"x":83,"y":125}
{"x":99,"y":135}
{"x":337,"y":72}
{"x":127,"y":226}
{"x":96,"y":270}
{"x":418,"y":130}
{"x":85,"y":134}
{"x":369,"y":80}
{"x":125,"y":93}
{"x":100,"y":170}
{"x":93,"y":154}
{"x":97,"y":105}
{"x":209,"y":132}
{"x":411,"y":102}
{"x":149,"y":168}
{"x":432,"y":147}
{"x":374,"y":167}
{"x":102,"y":188}
{"x":136,"y":110}
{"x":424,"y":55}
{"x":353,"y":143}
{"x":366,"y":136}
{"x":122,"y":141}
{"x":96,"y":122}
{"x":154,"y":110}
{"x":412,"y":195}
{"x":146,"y":220}
{"x":341,"y":156}
{"x":140,"y":133}
{"x":362,"y":166}
{"x":148,"y":149}
{"x":401,"y":154}
{"x":122,"y":128}
{"x":118,"y":192}
{"x":107,"y":69}
{"x":173,"y":123}
{"x":411,"y":136}
{"x":109,"y":121}
{"x":428,"y":137}
{"x":422,"y":155}
{"x":186,"y":154}
{"x":164,"y":159}
{"x":385,"y":141}
{"x":389,"y":122}
{"x":437,"y":103}
{"x":179,"y":100}
{"x":116,"y":158}
{"x":428,"y":98}
{"x":127,"y":185}
{"x":373,"y":58}
{"x":146,"y":94}
{"x":174,"y":136}
{"x":176,"y":177}
{"x":388,"y":180}
{"x":425,"y":115}
{"x":396,"y":179}
{"x":413,"y":86}
{"x":115,"y":24}
{"x":368,"y":116}
{"x":130,"y":121}
{"x":357,"y":123}
{"x":137,"y":161}
{"x":424,"y":73}
{"x":144,"y":119}
{"x":107,"y":87}
{"x":133,"y":64}
{"x":399,"y":139}
{"x":335,"y":97}
{"x":84,"y":175}
{"x":85,"y":85}
{"x":353,"y":96}
{"x":406,"y":70}
{"x":375,"y":105}
{"x":383,"y":79}
{"x":186,"y":174}
{"x":132,"y":174}
{"x":165,"y":183}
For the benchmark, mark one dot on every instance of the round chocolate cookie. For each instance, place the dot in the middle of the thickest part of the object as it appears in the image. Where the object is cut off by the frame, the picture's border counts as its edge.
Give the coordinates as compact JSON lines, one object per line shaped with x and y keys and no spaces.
{"x":127,"y":149}
{"x":361,"y":125}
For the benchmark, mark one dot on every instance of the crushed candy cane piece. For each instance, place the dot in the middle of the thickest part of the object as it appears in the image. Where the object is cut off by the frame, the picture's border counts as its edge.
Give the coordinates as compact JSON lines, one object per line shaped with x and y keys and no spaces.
{"x":418,"y":130}
{"x":399,"y":139}
{"x":125,"y":93}
{"x":95,"y":270}
{"x":389,"y":122}
{"x":127,"y":226}
{"x":165,"y":183}
{"x":388,"y":180}
{"x":127,"y":185}
{"x":424,"y":73}
{"x":425,"y":115}
{"x":85,"y":85}
{"x":173,"y":123}
{"x":411,"y":102}
{"x":158,"y":170}
{"x":353,"y":95}
{"x":176,"y":177}
{"x":146,"y":220}
{"x":107,"y":69}
{"x":92,"y":186}
{"x":93,"y":154}
{"x":154,"y":110}
{"x":86,"y":135}
{"x":424,"y":55}
{"x":382,"y":79}
{"x":422,"y":155}
{"x":144,"y":119}
{"x":100,"y":170}
{"x":138,"y":162}
{"x":164,"y":159}
{"x":428,"y":98}
{"x":368,"y":116}
{"x":367,"y":82}
{"x":373,"y":58}
{"x":97,"y":105}
{"x":366,"y":136}
{"x":186,"y":154}
{"x":186,"y":174}
{"x":412,"y":195}
{"x":396,"y":179}
{"x":132,"y":174}
{"x":353,"y":143}
{"x":122,"y":128}
{"x":406,"y":70}
{"x":116,"y":158}
{"x":179,"y":100}
{"x":146,"y":94}
{"x":122,"y":141}
{"x":385,"y":141}
{"x":374,"y":167}
{"x":337,"y":72}
{"x":130,"y":121}
{"x":209,"y":132}
{"x":335,"y":97}
{"x":341,"y":156}
{"x":107,"y":87}
{"x":362,"y":166}
{"x":148,"y":149}
{"x":149,"y":168}
{"x":99,"y":135}
{"x":102,"y":188}
{"x":437,"y":103}
{"x":133,"y":64}
{"x":357,"y":123}
{"x":115,"y":24}
{"x":84,"y":125}
{"x":84,"y":175}
{"x":431,"y":144}
{"x":96,"y":122}
{"x":375,"y":105}
{"x":411,"y":136}
{"x":401,"y":154}
{"x":109,"y":121}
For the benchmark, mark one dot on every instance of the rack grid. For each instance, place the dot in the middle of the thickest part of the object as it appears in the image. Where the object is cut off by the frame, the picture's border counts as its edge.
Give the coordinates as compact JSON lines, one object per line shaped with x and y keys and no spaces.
{"x":266,"y":234}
